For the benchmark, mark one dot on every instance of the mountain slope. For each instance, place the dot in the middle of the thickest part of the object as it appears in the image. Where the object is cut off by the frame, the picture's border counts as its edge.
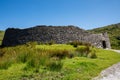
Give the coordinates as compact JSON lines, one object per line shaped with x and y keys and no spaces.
{"x":1,"y":36}
{"x":113,"y":32}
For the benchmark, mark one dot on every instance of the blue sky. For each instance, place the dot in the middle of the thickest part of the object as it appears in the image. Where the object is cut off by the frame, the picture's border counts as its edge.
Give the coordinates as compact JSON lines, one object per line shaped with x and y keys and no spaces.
{"x":86,"y":14}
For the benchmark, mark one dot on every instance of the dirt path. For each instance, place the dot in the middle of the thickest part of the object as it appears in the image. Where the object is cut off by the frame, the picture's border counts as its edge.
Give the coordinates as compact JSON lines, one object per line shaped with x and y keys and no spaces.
{"x":111,"y":73}
{"x":115,"y":50}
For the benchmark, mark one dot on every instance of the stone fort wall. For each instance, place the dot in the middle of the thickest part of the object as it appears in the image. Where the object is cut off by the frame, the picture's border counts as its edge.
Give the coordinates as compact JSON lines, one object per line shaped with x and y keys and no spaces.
{"x":59,"y":34}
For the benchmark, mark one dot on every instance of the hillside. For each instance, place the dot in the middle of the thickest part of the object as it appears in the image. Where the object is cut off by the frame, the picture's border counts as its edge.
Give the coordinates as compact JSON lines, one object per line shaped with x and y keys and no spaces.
{"x":113,"y":32}
{"x":1,"y":36}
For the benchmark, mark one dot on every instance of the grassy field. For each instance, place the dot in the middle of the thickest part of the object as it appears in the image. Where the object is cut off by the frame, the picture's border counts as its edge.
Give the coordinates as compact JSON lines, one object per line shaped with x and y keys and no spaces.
{"x":52,"y":62}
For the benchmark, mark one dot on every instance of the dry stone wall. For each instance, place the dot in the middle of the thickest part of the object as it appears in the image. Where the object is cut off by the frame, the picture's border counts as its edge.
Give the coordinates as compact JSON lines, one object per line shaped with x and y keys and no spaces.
{"x":58,"y":34}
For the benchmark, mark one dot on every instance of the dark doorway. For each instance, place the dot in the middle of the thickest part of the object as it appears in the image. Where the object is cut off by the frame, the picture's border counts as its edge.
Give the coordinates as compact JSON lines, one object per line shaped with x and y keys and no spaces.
{"x":104,"y":44}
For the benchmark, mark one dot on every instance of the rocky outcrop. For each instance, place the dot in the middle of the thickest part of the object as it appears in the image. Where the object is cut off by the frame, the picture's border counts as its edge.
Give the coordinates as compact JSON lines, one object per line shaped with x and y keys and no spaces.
{"x":58,"y":34}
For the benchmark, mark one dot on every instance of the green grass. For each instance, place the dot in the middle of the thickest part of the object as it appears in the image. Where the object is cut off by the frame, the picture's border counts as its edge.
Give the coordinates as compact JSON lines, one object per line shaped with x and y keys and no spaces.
{"x":55,"y":47}
{"x":33,"y":63}
{"x":85,"y":68}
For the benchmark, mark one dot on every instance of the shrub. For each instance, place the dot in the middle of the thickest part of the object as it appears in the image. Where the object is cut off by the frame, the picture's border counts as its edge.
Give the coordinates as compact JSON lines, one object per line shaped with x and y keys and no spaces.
{"x":33,"y":63}
{"x":40,"y":43}
{"x":59,"y":53}
{"x":92,"y":54}
{"x":51,"y":42}
{"x":54,"y":65}
{"x":36,"y":60}
{"x":83,"y":50}
{"x":2,"y":52}
{"x":71,"y":55}
{"x":23,"y":57}
{"x":78,"y":43}
{"x":43,"y":59}
{"x":7,"y":57}
{"x":5,"y":64}
{"x":87,"y":44}
{"x":75,"y":43}
{"x":26,"y":52}
{"x":31,"y":44}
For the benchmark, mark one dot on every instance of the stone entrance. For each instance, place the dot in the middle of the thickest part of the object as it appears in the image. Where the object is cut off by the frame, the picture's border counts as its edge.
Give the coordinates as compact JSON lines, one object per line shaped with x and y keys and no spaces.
{"x":104,"y":44}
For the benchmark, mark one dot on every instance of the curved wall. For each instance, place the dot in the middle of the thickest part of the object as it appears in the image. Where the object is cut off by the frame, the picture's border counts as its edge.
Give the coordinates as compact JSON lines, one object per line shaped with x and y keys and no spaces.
{"x":58,"y":34}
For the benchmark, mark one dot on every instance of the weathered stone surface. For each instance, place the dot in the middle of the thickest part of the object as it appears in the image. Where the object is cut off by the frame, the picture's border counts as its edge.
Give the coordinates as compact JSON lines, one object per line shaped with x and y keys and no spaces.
{"x":58,"y":34}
